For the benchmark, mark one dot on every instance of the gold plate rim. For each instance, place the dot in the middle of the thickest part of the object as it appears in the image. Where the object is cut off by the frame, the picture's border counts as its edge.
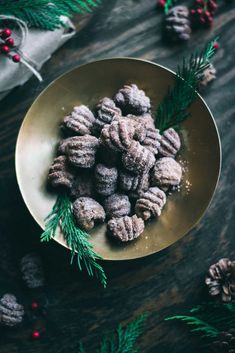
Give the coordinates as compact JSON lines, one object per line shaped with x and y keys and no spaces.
{"x":17,"y":163}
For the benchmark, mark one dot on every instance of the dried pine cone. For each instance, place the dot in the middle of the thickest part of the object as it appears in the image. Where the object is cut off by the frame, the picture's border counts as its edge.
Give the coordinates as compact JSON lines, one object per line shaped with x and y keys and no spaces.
{"x":138,"y":159}
{"x":225,"y":343}
{"x":131,"y":100}
{"x":132,"y":182}
{"x":105,"y":179}
{"x":81,"y":151}
{"x":166,"y":172}
{"x":150,"y":203}
{"x":118,"y":135}
{"x":80,"y":121}
{"x":220,"y":279}
{"x":177,"y":24}
{"x":169,"y":143}
{"x":11,"y":313}
{"x":87,"y":212}
{"x":32,"y":271}
{"x":126,"y":228}
{"x":117,"y":205}
{"x":83,"y":185}
{"x":206,"y":76}
{"x":60,"y":173}
{"x":106,"y":112}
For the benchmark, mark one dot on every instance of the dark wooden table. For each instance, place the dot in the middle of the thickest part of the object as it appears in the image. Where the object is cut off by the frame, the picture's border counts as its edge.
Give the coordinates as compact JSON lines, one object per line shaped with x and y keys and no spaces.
{"x":164,"y":284}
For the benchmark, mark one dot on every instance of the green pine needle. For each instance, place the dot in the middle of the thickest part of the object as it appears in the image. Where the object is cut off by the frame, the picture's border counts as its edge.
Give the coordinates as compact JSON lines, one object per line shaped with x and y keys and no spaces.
{"x":123,"y":340}
{"x":168,"y":5}
{"x":76,"y":239}
{"x":173,"y":109}
{"x":199,"y":325}
{"x":45,"y":14}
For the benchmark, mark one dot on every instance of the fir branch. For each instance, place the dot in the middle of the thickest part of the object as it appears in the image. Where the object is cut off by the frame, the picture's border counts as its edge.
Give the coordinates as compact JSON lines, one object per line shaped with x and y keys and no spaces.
{"x":173,"y":109}
{"x":123,"y":340}
{"x":46,"y":14}
{"x":76,"y":239}
{"x":168,"y":5}
{"x":200,"y":326}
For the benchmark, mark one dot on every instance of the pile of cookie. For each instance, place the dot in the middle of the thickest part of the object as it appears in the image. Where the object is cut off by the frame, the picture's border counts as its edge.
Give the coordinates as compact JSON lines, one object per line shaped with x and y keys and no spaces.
{"x":115,"y":164}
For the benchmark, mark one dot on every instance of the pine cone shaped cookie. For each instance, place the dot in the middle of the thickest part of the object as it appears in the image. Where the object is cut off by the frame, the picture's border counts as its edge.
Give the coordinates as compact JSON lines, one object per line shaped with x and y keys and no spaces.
{"x":150,"y":203}
{"x":60,"y":173}
{"x":106,"y":112}
{"x":118,"y":135}
{"x":105,"y":179}
{"x":132,"y":182}
{"x":32,"y":271}
{"x":151,"y":140}
{"x":131,"y":100}
{"x":143,"y":121}
{"x":11,"y":313}
{"x":81,"y":151}
{"x":62,"y":145}
{"x":220,"y":279}
{"x":169,"y":143}
{"x":80,"y":121}
{"x":117,"y":205}
{"x":225,"y":343}
{"x":83,"y":185}
{"x":138,"y":159}
{"x":166,"y":172}
{"x":126,"y":228}
{"x":87,"y":212}
{"x":177,"y":23}
{"x":207,"y":76}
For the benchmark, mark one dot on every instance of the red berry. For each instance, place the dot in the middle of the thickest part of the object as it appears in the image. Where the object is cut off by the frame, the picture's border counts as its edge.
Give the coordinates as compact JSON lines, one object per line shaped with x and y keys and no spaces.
{"x":16,"y":58}
{"x":34,"y":306}
{"x":212,"y":5}
{"x":200,"y":2}
{"x":36,"y":335}
{"x":10,"y":42}
{"x":5,"y":49}
{"x":193,"y":11}
{"x":207,"y":13}
{"x":6,"y":33}
{"x":202,"y":20}
{"x":161,"y":3}
{"x":199,"y":11}
{"x":216,"y":45}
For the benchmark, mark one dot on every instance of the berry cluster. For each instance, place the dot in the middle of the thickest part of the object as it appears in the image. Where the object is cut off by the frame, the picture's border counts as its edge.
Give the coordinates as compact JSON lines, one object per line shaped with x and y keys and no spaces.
{"x":7,"y":44}
{"x":202,"y":14}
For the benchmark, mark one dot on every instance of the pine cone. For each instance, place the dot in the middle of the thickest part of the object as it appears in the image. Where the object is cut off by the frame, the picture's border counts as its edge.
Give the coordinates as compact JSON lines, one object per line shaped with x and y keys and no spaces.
{"x":225,"y":342}
{"x":207,"y":76}
{"x":150,"y":203}
{"x":126,"y":228}
{"x":132,"y":182}
{"x":138,"y":159}
{"x":177,"y":24}
{"x":80,"y":121}
{"x":87,"y":212}
{"x":81,"y":151}
{"x":83,"y":185}
{"x":105,"y":179}
{"x":32,"y":271}
{"x":169,"y":143}
{"x":106,"y":112}
{"x":117,"y":205}
{"x":11,"y":313}
{"x":166,"y":172}
{"x":131,"y":100}
{"x":60,"y":173}
{"x":118,"y":135}
{"x":220,"y":279}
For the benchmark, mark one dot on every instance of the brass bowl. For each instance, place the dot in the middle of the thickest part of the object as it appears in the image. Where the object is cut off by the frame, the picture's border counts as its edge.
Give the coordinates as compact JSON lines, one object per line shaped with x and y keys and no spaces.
{"x":86,"y":84}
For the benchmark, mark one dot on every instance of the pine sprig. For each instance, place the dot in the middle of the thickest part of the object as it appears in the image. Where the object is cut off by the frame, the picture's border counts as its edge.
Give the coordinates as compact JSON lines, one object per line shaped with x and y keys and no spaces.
{"x":168,"y":5}
{"x":123,"y":340}
{"x":76,"y":239}
{"x":173,"y":109}
{"x":199,"y":325}
{"x":46,"y":14}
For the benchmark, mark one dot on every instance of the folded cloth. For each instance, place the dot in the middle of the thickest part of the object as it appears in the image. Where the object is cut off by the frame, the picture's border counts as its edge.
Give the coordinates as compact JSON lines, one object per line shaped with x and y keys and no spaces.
{"x":36,"y":48}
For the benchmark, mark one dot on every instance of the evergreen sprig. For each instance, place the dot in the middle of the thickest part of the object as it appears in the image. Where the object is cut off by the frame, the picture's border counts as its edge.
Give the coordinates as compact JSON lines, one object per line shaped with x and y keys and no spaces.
{"x":46,"y":14}
{"x":123,"y":340}
{"x":198,"y":325}
{"x":168,"y":5}
{"x":173,"y":109}
{"x":76,"y":239}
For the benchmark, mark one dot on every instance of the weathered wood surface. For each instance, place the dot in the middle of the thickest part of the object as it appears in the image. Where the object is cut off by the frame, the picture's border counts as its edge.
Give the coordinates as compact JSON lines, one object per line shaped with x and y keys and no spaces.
{"x":164,"y":284}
